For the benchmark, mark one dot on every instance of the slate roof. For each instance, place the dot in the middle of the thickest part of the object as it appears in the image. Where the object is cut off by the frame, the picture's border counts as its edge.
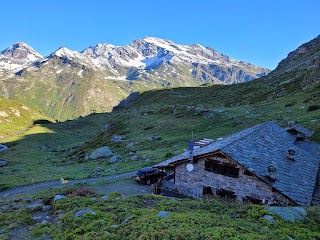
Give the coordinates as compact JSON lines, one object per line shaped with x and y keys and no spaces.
{"x":263,"y":145}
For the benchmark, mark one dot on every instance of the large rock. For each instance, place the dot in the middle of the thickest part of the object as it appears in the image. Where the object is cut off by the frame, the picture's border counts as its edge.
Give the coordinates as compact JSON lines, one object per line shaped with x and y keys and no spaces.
{"x":3,"y":163}
{"x":291,"y":214}
{"x":105,"y":197}
{"x":164,"y":214}
{"x":34,"y":206}
{"x":58,"y":197}
{"x":82,"y":212}
{"x":127,"y":220}
{"x":118,"y":138}
{"x":269,"y":218}
{"x":154,"y":138}
{"x":101,"y":152}
{"x":115,"y":158}
{"x":130,"y":145}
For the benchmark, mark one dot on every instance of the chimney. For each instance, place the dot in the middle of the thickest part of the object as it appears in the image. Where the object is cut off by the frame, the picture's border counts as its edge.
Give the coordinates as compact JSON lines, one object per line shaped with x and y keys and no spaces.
{"x":271,"y":174}
{"x":291,"y":154}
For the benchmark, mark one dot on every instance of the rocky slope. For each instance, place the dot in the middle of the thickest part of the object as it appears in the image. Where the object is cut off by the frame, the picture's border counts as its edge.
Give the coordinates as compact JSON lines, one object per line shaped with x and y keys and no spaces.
{"x":302,"y":64}
{"x":67,"y":84}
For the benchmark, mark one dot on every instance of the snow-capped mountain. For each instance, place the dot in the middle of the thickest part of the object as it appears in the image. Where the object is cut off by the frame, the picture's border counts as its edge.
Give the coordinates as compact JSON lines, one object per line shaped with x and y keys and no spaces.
{"x":156,"y":60}
{"x":67,"y":83}
{"x":17,"y":57}
{"x":150,"y":53}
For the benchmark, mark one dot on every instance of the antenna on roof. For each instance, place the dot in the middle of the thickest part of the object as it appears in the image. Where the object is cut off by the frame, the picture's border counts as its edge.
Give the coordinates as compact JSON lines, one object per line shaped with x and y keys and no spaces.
{"x":191,"y":147}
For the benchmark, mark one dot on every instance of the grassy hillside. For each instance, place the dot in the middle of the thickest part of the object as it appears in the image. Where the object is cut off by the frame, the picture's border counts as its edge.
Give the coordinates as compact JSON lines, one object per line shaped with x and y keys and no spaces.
{"x":137,"y":217}
{"x":15,"y":118}
{"x":173,"y":114}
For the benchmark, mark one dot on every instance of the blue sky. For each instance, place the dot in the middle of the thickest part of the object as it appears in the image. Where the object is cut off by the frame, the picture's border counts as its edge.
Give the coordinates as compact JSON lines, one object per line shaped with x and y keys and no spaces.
{"x":259,"y":32}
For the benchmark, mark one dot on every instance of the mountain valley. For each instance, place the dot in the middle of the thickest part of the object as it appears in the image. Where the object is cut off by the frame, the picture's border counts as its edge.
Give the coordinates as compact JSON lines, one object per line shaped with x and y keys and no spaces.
{"x":145,"y":129}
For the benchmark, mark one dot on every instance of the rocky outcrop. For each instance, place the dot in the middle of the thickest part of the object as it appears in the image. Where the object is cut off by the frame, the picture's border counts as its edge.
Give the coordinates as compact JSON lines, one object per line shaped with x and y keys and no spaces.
{"x":300,"y":51}
{"x":101,"y":152}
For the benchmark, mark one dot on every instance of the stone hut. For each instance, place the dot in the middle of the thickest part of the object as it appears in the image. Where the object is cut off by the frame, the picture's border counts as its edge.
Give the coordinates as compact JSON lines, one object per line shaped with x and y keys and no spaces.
{"x":261,"y":164}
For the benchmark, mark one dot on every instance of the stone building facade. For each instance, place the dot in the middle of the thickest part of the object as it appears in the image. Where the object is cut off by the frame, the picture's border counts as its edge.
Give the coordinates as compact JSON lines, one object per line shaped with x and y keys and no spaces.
{"x":225,"y":178}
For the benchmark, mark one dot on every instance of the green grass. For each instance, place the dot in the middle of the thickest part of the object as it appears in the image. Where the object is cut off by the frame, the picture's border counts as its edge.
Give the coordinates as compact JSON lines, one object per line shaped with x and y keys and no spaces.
{"x":58,"y":150}
{"x":189,"y":219}
{"x":15,"y":118}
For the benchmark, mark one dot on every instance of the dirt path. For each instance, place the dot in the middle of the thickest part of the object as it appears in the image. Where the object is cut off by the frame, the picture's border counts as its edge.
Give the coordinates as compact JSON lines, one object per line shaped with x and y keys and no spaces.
{"x":55,"y":184}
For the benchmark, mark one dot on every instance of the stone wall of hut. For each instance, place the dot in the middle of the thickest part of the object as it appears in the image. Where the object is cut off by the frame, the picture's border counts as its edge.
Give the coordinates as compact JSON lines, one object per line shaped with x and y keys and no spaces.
{"x":245,"y":186}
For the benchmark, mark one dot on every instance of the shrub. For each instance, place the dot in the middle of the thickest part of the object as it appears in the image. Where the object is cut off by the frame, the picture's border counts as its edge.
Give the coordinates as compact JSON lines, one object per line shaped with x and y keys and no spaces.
{"x":83,"y":192}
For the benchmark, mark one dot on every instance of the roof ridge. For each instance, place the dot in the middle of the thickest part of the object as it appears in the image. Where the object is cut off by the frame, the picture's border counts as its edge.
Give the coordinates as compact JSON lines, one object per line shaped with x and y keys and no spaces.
{"x":248,"y":132}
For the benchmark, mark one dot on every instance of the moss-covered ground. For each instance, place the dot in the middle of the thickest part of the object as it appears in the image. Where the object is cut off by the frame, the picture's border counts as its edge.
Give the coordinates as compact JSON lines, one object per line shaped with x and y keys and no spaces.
{"x":136,"y":217}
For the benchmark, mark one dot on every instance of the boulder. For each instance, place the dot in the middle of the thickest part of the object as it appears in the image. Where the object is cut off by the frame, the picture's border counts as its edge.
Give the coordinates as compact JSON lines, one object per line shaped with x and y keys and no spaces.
{"x":127,"y":220}
{"x":154,"y":138}
{"x":115,"y":158}
{"x":82,"y":212}
{"x":134,"y":158}
{"x":34,"y":206}
{"x":58,"y":197}
{"x":3,"y":163}
{"x":118,"y":138}
{"x":130,"y":145}
{"x":46,"y":208}
{"x":105,"y":197}
{"x":95,"y":174}
{"x":86,"y":157}
{"x":291,"y":214}
{"x":2,"y":230}
{"x":130,"y":154}
{"x":163,"y":214}
{"x":269,"y":218}
{"x":101,"y":152}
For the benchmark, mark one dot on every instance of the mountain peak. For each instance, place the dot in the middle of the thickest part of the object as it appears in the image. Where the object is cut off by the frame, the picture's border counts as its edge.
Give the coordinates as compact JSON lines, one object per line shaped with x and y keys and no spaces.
{"x":65,"y":52}
{"x":18,"y":47}
{"x":17,"y":56}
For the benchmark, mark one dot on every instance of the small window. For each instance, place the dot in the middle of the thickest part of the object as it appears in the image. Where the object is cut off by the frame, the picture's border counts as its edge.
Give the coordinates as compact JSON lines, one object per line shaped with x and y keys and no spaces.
{"x":207,"y":191}
{"x":220,"y":168}
{"x":248,"y":173}
{"x":226,"y":194}
{"x":252,"y":200}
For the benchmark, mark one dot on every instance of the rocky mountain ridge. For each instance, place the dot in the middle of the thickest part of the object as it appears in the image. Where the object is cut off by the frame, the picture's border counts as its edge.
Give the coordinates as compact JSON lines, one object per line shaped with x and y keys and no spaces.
{"x":302,"y":64}
{"x":67,"y":84}
{"x":144,"y":54}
